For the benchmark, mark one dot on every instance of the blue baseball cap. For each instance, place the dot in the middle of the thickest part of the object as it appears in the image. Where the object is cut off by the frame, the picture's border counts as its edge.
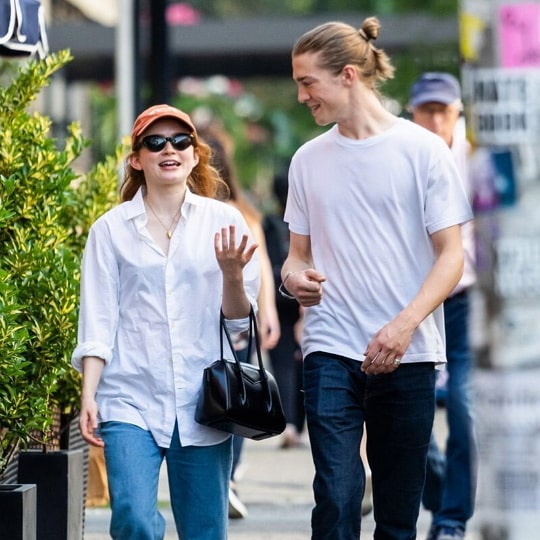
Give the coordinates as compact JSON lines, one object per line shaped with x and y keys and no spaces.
{"x":435,"y":87}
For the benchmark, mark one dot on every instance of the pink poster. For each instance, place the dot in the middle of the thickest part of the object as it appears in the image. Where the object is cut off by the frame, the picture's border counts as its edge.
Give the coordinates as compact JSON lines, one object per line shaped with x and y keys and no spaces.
{"x":519,"y":34}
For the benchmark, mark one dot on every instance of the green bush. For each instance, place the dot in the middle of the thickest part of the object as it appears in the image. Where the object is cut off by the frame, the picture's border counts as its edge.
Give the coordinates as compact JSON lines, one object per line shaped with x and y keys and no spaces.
{"x":45,"y":213}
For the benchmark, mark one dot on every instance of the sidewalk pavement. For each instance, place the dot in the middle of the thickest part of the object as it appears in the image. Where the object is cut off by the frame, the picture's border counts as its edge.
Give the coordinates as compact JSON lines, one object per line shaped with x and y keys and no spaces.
{"x":276,"y":488}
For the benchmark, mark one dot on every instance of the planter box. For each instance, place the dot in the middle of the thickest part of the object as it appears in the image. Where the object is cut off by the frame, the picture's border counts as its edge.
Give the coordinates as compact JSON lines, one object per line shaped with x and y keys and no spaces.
{"x":18,"y":511}
{"x":59,"y":478}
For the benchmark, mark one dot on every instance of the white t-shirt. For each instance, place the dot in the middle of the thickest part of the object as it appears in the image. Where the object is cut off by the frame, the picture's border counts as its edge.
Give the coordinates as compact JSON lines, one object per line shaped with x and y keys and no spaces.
{"x":369,"y":207}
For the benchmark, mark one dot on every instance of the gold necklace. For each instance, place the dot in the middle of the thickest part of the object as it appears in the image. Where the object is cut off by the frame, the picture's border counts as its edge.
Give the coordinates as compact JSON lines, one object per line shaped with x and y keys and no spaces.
{"x":168,"y":230}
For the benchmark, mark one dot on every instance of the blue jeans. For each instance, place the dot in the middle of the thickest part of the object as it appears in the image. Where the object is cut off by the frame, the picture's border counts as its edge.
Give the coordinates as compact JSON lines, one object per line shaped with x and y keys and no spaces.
{"x":198,"y":485}
{"x":398,"y":410}
{"x":450,"y":487}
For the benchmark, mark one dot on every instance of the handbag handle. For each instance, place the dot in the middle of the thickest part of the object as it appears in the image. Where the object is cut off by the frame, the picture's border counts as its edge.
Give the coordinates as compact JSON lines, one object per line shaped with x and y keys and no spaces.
{"x":253,"y":337}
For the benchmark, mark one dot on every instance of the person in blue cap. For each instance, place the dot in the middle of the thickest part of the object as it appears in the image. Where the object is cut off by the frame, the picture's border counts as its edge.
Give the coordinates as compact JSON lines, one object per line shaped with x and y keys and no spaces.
{"x":449,"y":492}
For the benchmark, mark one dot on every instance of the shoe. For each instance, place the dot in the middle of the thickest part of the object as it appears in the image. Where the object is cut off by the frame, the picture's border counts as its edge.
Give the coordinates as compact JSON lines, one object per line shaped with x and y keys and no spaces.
{"x":451,"y":533}
{"x":446,"y":533}
{"x":239,"y":473}
{"x":237,"y":509}
{"x":367,"y":501}
{"x":432,"y":533}
{"x":290,"y":437}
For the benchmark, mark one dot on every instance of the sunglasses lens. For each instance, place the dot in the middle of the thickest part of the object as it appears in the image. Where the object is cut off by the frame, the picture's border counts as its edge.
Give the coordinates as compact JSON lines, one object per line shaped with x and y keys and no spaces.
{"x":156,"y":143}
{"x":181,"y":142}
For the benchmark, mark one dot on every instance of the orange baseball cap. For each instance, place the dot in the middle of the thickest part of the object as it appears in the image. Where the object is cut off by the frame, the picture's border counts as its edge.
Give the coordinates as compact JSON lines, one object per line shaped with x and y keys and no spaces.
{"x":156,"y":112}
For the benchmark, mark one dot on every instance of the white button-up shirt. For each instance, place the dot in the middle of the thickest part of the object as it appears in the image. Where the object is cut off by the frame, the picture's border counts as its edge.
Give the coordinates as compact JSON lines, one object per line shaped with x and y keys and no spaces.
{"x":461,"y":150}
{"x":154,"y":318}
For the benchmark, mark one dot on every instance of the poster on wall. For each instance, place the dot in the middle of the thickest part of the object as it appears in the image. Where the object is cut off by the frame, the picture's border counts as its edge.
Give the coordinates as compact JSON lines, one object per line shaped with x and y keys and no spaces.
{"x":508,"y":498}
{"x":502,"y":105}
{"x":475,"y":31}
{"x":500,"y":50}
{"x":493,"y":179}
{"x":518,"y":26}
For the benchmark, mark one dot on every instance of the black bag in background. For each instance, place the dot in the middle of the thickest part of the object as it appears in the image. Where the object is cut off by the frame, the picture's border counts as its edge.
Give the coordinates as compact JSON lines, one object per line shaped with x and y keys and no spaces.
{"x":22,"y":29}
{"x":238,"y":397}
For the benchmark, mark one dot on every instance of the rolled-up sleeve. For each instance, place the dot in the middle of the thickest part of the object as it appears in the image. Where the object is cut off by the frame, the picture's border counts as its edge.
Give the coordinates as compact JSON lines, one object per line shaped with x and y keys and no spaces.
{"x":98,"y":317}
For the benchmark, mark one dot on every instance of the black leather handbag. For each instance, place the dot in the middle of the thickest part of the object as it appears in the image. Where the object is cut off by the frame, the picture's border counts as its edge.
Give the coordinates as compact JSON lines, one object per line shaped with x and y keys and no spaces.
{"x":238,"y":397}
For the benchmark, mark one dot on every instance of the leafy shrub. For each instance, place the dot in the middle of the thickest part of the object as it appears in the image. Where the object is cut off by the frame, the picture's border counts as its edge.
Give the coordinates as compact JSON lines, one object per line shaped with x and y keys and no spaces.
{"x":45,"y":213}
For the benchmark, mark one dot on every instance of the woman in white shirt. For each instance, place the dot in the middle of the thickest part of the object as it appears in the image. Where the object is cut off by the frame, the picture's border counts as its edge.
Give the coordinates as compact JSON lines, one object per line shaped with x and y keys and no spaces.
{"x":156,"y":271}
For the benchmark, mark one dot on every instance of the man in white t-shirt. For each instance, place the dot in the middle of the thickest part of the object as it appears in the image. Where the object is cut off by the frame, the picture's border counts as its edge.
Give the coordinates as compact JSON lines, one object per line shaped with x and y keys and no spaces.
{"x":449,"y":493}
{"x":374,"y":211}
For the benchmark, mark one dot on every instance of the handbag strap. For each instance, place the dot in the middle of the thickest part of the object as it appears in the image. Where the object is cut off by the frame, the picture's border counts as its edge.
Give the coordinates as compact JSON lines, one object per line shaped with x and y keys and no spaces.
{"x":253,"y":337}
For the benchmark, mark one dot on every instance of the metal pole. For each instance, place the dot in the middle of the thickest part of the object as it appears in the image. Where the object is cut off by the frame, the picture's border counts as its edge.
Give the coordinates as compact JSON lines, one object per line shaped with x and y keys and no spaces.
{"x":125,"y":66}
{"x":159,"y":61}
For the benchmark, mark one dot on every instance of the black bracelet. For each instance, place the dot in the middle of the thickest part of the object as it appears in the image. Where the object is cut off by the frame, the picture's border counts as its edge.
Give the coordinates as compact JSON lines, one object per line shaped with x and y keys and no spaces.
{"x":285,"y":293}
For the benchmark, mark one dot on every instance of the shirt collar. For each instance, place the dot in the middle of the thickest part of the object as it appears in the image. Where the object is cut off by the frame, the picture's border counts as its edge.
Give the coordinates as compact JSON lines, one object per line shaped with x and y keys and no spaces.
{"x":135,"y":207}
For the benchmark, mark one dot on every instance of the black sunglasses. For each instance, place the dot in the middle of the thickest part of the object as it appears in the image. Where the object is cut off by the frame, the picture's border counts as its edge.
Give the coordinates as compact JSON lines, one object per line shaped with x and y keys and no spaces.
{"x":156,"y":143}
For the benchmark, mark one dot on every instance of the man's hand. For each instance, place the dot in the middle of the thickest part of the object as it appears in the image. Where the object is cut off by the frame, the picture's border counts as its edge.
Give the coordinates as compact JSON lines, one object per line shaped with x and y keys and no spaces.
{"x":305,"y":286}
{"x":384,"y":352}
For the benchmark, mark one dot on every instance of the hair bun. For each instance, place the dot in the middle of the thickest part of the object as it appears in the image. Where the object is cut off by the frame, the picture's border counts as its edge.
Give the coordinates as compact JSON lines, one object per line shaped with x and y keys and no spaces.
{"x":370,"y":28}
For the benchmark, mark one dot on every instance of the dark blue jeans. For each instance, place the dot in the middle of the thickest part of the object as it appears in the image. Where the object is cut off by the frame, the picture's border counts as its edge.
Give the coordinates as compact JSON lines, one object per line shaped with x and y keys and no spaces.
{"x":398,"y":410}
{"x":450,"y":487}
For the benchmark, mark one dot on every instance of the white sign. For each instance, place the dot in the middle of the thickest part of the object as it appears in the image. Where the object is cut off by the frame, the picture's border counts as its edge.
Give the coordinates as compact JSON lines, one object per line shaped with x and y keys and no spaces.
{"x":507,"y":423}
{"x":517,"y":274}
{"x":503,"y":105}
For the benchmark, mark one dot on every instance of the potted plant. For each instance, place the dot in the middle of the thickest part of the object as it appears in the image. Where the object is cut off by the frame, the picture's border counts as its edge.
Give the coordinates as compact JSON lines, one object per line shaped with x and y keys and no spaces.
{"x":45,"y":211}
